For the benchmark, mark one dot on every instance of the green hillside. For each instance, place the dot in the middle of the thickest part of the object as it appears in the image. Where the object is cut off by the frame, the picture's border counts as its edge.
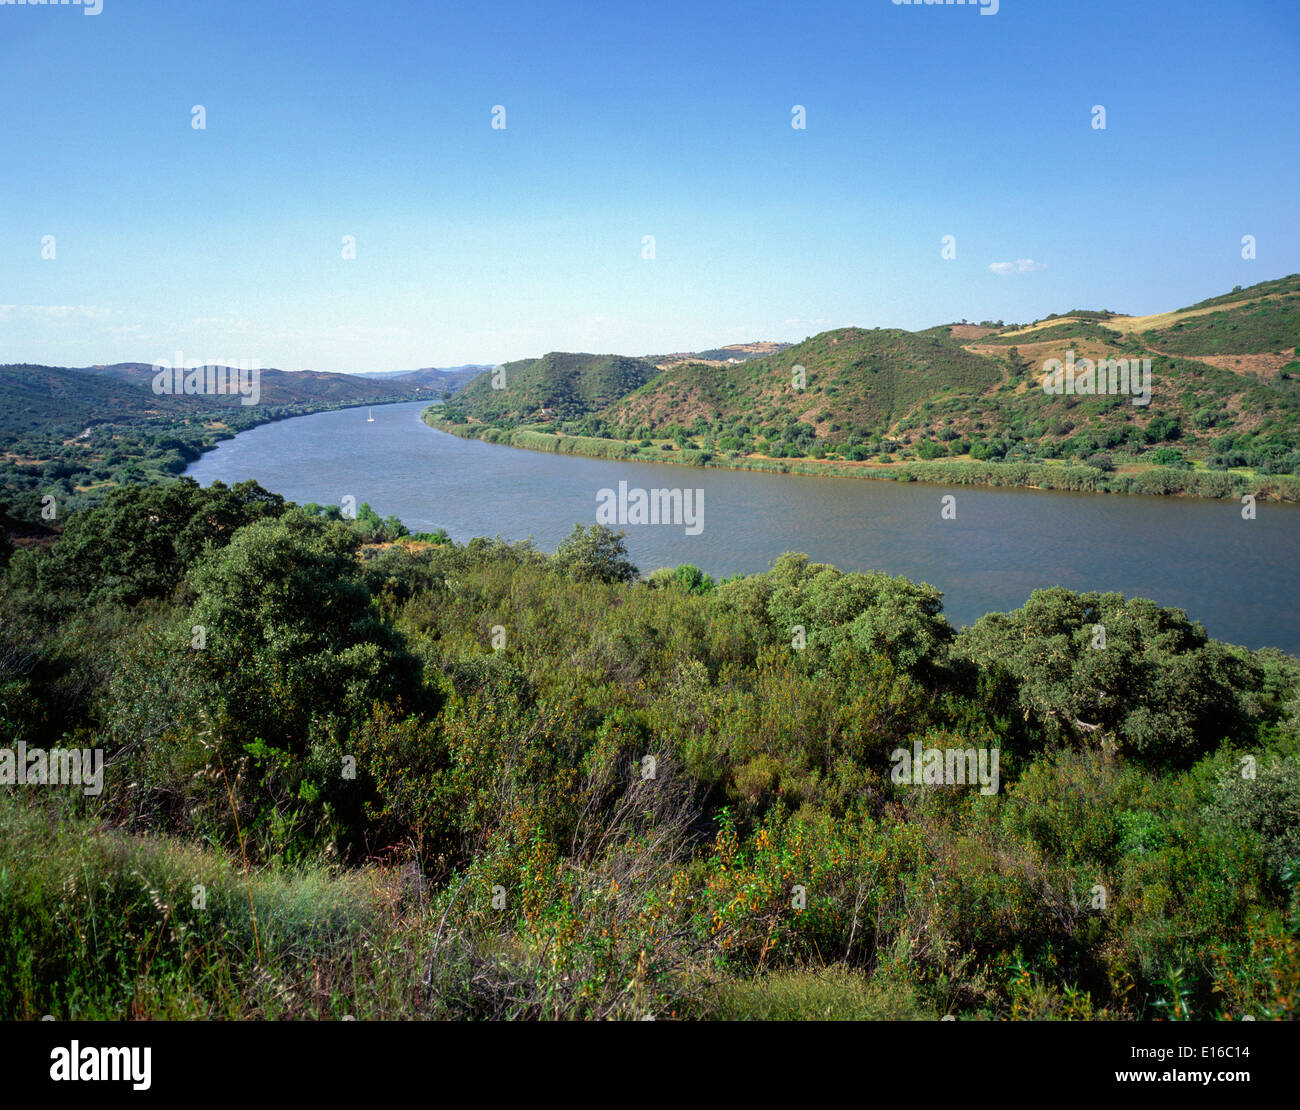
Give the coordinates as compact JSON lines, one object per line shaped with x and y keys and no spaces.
{"x":74,"y":434}
{"x":66,"y":400}
{"x":1222,"y":416}
{"x":1266,"y":325}
{"x":288,"y":387}
{"x":854,"y":378}
{"x":886,"y":397}
{"x":1288,"y":284}
{"x":571,"y":385}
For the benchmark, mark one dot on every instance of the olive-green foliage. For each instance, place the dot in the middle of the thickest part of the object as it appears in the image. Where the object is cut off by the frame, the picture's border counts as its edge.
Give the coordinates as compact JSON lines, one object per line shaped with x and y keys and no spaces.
{"x":568,"y":384}
{"x":597,"y":795}
{"x":595,"y":554}
{"x":1264,"y":799}
{"x":1267,"y":324}
{"x":291,"y":631}
{"x":875,"y":613}
{"x":1093,"y":665}
{"x":141,"y":541}
{"x":685,"y":577}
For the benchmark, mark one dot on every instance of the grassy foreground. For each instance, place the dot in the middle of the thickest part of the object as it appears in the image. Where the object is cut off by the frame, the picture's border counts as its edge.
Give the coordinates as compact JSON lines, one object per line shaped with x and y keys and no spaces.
{"x":115,"y":931}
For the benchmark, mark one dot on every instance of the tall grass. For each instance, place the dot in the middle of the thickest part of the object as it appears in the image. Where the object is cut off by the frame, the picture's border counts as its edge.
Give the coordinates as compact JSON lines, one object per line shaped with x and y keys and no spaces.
{"x":98,"y":924}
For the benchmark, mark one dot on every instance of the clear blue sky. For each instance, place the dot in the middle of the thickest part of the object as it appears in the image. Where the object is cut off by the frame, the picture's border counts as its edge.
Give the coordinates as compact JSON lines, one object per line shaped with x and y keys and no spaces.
{"x":667,"y":119}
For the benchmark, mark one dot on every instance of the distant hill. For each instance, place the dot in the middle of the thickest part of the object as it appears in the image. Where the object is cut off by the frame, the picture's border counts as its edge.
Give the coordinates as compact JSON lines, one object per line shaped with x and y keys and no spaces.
{"x":447,"y":379}
{"x":444,"y":381}
{"x":721,"y":356}
{"x":1223,"y":367}
{"x":59,"y":398}
{"x":283,"y":387}
{"x":1224,"y":394}
{"x":854,"y":378}
{"x":559,"y":386}
{"x":75,"y":433}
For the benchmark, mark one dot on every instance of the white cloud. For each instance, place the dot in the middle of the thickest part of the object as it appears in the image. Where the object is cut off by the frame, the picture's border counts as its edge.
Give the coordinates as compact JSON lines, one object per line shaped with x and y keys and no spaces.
{"x":1019,"y":266}
{"x":55,"y":312}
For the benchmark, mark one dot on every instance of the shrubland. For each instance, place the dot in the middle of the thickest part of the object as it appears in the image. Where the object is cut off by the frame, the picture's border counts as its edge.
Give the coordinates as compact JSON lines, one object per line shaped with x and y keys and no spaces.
{"x":353,"y":772}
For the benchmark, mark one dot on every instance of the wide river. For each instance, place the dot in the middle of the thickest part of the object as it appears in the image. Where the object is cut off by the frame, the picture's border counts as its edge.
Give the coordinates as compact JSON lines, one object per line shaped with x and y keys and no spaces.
{"x":1240,"y":578}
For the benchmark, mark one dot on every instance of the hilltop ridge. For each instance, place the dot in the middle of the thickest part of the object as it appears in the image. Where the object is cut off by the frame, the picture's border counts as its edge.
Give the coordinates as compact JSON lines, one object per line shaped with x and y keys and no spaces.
{"x":1223,"y":399}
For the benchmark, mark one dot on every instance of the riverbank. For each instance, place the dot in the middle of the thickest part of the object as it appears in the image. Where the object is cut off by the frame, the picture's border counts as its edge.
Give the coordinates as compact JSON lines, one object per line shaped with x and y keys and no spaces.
{"x":1155,"y":480}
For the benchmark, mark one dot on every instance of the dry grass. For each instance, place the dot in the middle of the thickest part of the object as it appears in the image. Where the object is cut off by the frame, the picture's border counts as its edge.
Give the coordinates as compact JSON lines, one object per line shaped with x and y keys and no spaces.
{"x":1126,"y":325}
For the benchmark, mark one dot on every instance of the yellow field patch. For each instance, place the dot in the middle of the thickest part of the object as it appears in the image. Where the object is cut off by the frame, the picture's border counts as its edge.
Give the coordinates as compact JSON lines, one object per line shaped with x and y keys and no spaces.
{"x":1129,"y":324}
{"x":1049,"y":348}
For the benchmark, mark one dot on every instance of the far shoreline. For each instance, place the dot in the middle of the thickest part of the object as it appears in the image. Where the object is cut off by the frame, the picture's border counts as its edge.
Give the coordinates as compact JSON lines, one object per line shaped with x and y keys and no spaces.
{"x":1216,"y":485}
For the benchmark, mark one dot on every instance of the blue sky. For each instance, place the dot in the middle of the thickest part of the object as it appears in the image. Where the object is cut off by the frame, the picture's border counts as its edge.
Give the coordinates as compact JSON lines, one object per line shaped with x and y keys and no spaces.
{"x":665,"y":119}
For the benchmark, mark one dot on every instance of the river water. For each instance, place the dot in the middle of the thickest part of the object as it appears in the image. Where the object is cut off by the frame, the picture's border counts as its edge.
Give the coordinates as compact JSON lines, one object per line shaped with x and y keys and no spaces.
{"x":1239,"y":578}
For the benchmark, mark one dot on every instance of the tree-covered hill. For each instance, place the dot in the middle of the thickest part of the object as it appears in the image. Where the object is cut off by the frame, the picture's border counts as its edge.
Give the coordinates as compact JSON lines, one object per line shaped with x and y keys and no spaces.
{"x":74,"y":434}
{"x":288,"y":387}
{"x":58,"y":398}
{"x":1222,"y":416}
{"x":1265,"y":325}
{"x":854,"y":378}
{"x":569,"y":385}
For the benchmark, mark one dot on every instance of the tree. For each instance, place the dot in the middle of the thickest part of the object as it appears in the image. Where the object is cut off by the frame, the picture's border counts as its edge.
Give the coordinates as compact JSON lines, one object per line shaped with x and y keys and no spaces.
{"x":142,"y":540}
{"x":1090,"y":663}
{"x":873,"y":613}
{"x":291,"y":632}
{"x":597,"y":554}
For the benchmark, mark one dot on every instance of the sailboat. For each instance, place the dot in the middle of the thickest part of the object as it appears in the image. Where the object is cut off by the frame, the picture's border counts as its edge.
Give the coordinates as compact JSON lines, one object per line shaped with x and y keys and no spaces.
{"x":371,"y":418}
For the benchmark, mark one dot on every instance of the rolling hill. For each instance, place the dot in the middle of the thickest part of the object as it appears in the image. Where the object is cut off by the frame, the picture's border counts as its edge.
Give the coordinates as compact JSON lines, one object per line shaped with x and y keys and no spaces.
{"x":854,"y":378}
{"x":288,"y":387}
{"x":1223,"y":389}
{"x":559,"y":385}
{"x":447,"y":378}
{"x":1224,"y":397}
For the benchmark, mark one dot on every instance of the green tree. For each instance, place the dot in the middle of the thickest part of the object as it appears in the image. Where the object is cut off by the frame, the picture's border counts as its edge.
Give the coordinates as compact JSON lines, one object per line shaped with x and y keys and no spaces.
{"x":1091,"y":664}
{"x":142,"y":540}
{"x":874,"y":613}
{"x":292,"y":632}
{"x":595,"y":554}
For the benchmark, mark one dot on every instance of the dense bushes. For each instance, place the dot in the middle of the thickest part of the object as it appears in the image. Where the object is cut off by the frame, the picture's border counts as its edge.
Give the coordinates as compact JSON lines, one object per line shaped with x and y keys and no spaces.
{"x":140,"y":543}
{"x":527,"y":786}
{"x":289,"y":632}
{"x":1089,"y":665}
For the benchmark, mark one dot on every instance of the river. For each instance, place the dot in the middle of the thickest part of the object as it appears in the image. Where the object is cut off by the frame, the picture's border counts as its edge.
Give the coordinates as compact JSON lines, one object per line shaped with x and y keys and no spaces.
{"x":1240,"y":578}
